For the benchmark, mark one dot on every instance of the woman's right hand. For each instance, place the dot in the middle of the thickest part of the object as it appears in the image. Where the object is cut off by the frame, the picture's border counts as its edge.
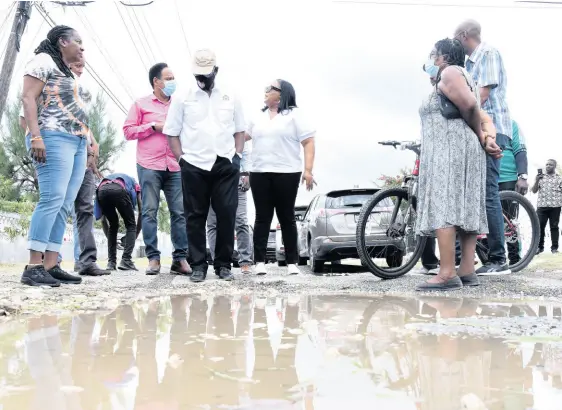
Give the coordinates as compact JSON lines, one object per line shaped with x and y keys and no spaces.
{"x":37,"y":150}
{"x":492,"y":148}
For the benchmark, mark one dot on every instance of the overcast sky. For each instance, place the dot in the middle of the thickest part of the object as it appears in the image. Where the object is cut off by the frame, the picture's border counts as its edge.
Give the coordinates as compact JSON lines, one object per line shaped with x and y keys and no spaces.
{"x":356,"y":67}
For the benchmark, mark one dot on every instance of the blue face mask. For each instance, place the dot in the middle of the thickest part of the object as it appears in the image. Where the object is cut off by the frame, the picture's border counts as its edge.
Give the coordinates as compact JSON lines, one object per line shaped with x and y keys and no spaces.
{"x":431,"y":69}
{"x":169,"y":87}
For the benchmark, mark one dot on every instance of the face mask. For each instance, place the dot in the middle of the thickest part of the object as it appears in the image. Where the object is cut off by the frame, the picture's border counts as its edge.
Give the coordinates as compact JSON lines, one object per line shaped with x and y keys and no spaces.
{"x":431,"y":69}
{"x":206,"y":82}
{"x":169,"y":87}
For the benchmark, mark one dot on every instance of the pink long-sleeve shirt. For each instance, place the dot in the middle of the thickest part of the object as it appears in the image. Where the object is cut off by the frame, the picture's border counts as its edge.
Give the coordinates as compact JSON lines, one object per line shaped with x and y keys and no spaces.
{"x":153,"y":151}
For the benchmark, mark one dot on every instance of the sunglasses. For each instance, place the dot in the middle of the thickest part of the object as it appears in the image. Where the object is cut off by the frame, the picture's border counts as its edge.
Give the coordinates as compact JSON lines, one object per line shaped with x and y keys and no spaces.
{"x":270,"y":88}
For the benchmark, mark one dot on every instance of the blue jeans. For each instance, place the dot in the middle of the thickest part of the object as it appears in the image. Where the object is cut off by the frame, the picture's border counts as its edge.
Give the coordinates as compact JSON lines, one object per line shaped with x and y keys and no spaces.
{"x":152,"y":182}
{"x":496,"y":235}
{"x":59,"y":180}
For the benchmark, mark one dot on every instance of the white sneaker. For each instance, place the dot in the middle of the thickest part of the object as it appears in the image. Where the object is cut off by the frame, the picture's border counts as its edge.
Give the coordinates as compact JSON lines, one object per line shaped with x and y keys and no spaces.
{"x":424,"y":271}
{"x":293,"y":269}
{"x":260,"y":269}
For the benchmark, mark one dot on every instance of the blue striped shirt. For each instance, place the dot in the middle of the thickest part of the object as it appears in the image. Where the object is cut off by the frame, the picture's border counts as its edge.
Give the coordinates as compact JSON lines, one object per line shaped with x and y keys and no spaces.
{"x":485,"y":65}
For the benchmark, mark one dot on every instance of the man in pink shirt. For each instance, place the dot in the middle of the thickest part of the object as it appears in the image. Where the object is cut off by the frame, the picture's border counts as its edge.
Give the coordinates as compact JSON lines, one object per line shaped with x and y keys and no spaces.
{"x":158,"y":170}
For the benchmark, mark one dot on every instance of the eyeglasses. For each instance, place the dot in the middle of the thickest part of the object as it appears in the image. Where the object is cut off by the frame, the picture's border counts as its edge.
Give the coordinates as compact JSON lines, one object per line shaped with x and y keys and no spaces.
{"x":270,"y":88}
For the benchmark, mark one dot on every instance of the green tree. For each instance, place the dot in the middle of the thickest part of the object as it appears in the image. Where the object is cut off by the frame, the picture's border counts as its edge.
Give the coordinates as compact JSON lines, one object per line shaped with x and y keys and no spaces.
{"x":164,"y":216}
{"x":394,"y":181}
{"x":105,"y":134}
{"x":17,"y":164}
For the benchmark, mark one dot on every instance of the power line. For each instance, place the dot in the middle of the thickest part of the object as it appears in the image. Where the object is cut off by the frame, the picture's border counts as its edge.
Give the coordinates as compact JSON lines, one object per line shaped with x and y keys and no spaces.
{"x":22,"y":61}
{"x":144,"y":35}
{"x":138,"y":36}
{"x":487,"y":6}
{"x":88,"y":25}
{"x":131,"y":36}
{"x":182,"y":29}
{"x":8,"y":15}
{"x":158,"y":48}
{"x":88,"y":66}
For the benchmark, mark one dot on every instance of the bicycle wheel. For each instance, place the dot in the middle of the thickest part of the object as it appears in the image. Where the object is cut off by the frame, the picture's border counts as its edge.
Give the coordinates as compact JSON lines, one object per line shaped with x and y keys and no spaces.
{"x":516,"y":237}
{"x":385,"y":231}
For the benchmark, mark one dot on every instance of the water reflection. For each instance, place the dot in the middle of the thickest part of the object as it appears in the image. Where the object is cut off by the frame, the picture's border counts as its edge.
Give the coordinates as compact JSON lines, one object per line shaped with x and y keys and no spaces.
{"x":309,"y":352}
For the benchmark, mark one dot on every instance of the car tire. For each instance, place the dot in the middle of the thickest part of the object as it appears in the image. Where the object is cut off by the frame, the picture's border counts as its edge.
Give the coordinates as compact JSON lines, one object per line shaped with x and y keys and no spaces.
{"x":315,"y":265}
{"x":281,"y":263}
{"x":303,"y":261}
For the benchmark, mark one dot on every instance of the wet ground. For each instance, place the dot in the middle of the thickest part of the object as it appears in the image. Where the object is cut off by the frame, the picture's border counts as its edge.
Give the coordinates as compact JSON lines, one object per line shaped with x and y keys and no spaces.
{"x":542,"y":280}
{"x":313,"y":352}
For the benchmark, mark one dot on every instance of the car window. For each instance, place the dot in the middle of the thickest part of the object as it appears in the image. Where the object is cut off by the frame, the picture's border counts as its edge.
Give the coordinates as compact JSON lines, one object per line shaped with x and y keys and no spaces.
{"x":310,"y":208}
{"x":347,"y":201}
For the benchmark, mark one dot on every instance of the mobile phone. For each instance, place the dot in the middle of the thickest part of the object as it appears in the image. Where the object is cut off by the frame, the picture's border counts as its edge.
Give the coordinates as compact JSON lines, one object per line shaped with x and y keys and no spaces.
{"x":540,"y":171}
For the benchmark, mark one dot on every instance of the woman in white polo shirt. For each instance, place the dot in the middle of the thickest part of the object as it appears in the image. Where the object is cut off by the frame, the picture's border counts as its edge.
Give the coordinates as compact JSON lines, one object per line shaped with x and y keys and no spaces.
{"x":277,"y":135}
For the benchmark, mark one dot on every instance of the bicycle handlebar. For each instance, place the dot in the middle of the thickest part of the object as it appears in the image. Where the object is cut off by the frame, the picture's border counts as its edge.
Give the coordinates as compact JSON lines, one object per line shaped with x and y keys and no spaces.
{"x":411,"y":145}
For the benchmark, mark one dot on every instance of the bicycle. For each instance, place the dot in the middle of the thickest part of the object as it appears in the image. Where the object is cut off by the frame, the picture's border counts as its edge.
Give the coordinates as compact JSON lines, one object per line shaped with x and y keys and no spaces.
{"x":401,"y":225}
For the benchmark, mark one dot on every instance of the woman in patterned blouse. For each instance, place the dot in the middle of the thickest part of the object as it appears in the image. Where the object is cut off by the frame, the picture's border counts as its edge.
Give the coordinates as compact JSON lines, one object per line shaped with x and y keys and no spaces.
{"x":57,"y":122}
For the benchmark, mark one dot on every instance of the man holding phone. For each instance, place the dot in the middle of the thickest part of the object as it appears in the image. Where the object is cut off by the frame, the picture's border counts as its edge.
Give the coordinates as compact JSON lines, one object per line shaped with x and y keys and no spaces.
{"x":549,"y":187}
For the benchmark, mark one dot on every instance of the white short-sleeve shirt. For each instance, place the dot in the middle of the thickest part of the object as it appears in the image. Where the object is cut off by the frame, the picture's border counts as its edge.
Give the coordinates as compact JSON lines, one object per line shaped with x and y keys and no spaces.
{"x":276,"y":142}
{"x":205,"y":124}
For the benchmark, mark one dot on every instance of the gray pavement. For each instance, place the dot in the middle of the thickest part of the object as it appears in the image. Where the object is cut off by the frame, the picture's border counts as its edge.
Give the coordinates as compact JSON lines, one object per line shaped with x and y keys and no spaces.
{"x":542,"y":280}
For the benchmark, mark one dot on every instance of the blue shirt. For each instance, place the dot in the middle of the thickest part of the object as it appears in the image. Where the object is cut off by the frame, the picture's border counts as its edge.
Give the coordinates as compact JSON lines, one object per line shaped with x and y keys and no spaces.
{"x":131,"y":186}
{"x":485,"y":65}
{"x":508,"y":165}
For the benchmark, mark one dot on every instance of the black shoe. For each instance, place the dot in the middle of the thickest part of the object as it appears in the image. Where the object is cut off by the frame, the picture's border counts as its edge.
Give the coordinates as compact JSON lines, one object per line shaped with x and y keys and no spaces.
{"x":93,"y":270}
{"x":127,"y":264}
{"x":77,"y":267}
{"x":64,"y":277}
{"x":176,"y":269}
{"x":36,"y":275}
{"x":225,"y":274}
{"x":153,"y":271}
{"x":111,"y":266}
{"x":198,"y":275}
{"x":540,"y":250}
{"x":555,"y":251}
{"x":493,"y":269}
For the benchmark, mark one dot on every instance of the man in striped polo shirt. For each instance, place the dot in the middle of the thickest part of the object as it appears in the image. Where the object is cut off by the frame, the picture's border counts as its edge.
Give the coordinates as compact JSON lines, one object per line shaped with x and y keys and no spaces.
{"x":485,"y":64}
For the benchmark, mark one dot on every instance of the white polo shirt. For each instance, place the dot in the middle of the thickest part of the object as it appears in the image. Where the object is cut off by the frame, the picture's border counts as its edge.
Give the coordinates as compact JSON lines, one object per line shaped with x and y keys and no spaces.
{"x":205,"y":124}
{"x":276,"y":142}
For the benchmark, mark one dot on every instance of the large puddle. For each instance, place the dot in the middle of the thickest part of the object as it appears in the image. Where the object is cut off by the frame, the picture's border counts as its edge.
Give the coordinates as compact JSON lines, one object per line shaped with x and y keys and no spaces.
{"x":310,"y":352}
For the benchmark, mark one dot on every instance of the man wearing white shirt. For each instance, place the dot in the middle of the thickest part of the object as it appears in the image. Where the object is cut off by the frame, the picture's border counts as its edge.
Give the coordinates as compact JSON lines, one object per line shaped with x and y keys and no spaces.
{"x":200,"y":125}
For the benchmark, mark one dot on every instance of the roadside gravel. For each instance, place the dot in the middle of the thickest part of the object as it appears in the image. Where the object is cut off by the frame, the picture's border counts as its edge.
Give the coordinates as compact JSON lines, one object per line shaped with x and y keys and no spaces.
{"x":542,"y":281}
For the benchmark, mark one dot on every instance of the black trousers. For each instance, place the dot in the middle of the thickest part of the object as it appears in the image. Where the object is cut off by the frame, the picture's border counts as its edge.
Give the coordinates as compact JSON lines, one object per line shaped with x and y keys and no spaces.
{"x":114,"y":199}
{"x":552,"y":215}
{"x":275,"y":191}
{"x":200,"y":187}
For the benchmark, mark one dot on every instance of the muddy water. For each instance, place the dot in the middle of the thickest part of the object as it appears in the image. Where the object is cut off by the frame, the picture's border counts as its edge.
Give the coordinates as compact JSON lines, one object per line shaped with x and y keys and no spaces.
{"x":312,"y":353}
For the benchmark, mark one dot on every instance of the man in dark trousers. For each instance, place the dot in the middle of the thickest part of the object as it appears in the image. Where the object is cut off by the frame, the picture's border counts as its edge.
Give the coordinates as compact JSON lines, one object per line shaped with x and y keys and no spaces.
{"x":200,"y":125}
{"x":549,"y":187}
{"x":117,"y":193}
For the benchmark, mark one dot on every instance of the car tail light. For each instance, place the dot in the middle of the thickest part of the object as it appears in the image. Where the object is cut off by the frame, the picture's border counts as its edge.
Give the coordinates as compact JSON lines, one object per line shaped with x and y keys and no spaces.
{"x":278,"y":226}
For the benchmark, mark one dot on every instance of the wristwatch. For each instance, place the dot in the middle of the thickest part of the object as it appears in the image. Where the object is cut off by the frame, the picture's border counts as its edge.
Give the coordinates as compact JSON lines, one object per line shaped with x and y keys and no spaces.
{"x":523,"y":176}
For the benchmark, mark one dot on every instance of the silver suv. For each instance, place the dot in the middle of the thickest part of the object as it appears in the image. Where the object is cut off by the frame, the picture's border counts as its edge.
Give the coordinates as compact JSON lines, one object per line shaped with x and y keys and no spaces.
{"x":327,"y":232}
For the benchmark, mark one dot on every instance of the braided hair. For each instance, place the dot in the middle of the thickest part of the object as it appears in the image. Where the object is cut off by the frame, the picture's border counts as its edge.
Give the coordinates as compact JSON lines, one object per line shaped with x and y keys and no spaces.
{"x":50,"y":46}
{"x":452,"y":50}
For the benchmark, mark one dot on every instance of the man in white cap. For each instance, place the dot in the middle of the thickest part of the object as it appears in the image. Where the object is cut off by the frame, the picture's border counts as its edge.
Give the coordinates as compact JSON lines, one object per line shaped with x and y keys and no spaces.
{"x":205,"y":128}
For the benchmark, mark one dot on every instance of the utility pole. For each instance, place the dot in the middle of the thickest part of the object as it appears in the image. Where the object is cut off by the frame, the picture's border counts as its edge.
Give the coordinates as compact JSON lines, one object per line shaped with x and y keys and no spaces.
{"x":20,"y":21}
